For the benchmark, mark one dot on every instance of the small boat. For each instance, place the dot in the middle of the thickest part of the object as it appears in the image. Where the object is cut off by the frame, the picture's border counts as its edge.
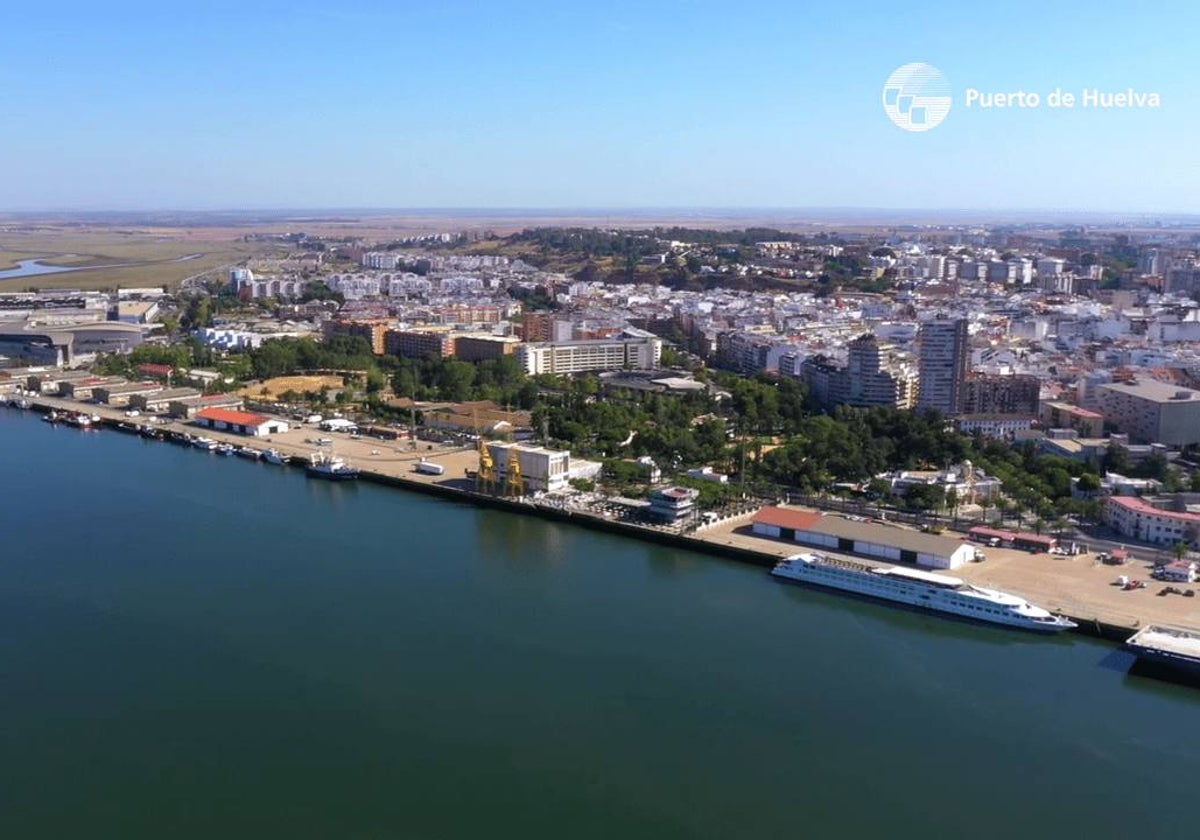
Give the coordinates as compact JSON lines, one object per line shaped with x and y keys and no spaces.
{"x":225,"y":449}
{"x":274,"y":456}
{"x":251,"y":454}
{"x":22,"y":404}
{"x":207,"y":444}
{"x":51,"y":417}
{"x":330,"y":468}
{"x":82,"y":421}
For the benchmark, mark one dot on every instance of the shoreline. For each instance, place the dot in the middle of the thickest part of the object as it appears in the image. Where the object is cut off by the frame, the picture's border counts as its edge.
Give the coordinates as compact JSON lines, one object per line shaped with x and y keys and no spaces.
{"x":1090,"y":621}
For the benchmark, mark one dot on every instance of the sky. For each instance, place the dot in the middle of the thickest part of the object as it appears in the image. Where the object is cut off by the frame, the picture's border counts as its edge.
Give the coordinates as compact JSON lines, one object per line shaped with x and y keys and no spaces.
{"x":653,"y":104}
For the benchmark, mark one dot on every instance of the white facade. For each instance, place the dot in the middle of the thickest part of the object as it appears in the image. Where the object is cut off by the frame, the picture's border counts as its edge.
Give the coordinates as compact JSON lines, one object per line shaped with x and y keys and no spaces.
{"x":546,"y":470}
{"x":581,"y":356}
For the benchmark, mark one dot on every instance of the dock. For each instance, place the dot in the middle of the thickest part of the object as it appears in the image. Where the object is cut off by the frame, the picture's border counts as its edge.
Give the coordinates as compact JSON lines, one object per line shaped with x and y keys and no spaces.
{"x":1081,"y":588}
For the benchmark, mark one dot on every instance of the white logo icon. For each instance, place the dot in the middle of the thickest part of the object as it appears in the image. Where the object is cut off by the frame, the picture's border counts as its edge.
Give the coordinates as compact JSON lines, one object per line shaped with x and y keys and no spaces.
{"x":916,"y":97}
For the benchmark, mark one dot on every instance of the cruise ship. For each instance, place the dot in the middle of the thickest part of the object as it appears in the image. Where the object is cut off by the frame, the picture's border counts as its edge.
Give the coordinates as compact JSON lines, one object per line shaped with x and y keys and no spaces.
{"x":923,"y":590}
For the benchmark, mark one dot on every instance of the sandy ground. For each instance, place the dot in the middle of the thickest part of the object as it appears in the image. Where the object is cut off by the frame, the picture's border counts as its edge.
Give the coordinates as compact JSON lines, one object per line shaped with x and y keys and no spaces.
{"x":1080,"y":586}
{"x":281,"y":384}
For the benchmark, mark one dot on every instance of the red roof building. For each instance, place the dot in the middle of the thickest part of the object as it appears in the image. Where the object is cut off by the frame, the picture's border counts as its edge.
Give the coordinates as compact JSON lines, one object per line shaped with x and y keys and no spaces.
{"x":240,"y":422}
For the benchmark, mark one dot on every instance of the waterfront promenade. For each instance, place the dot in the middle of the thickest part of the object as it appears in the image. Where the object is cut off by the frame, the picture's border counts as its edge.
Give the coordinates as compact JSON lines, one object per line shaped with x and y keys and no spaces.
{"x":1080,"y":587}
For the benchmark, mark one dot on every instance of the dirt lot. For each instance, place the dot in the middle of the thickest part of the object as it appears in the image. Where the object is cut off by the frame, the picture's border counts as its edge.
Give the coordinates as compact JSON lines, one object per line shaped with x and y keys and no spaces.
{"x":280,"y":385}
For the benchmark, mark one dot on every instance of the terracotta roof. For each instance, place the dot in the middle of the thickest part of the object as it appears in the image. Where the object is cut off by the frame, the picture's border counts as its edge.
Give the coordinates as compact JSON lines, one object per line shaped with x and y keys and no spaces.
{"x":1136,"y":505}
{"x":237,"y":418}
{"x":800,"y":520}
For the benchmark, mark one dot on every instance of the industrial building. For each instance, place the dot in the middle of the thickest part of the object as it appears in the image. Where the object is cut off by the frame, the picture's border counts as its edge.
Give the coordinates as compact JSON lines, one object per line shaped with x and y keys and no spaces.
{"x":240,"y":422}
{"x":160,"y":401}
{"x":867,"y":539}
{"x":541,"y":469}
{"x":1152,"y":412}
{"x":120,"y":394}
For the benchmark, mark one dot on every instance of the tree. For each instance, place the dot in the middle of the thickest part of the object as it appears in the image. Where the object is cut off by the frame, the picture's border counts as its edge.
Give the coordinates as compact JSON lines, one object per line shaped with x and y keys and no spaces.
{"x":1088,"y":483}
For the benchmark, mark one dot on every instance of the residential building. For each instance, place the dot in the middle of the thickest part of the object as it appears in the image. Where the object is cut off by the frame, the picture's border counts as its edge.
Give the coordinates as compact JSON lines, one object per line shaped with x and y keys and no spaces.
{"x":472,"y":348}
{"x":985,"y":393}
{"x":1136,"y":518}
{"x":1061,"y":415}
{"x":374,"y":332}
{"x":944,"y":353}
{"x":871,"y":377}
{"x":567,"y":357}
{"x":418,"y":344}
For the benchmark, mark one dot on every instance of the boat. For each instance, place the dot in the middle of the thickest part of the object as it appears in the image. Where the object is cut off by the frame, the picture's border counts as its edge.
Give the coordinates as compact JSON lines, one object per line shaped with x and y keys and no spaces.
{"x":1176,"y":649}
{"x":274,"y":456}
{"x":83,"y":421}
{"x":207,"y":444}
{"x":920,"y":589}
{"x":225,"y":449}
{"x":51,"y":417}
{"x":330,"y":468}
{"x":247,"y":452}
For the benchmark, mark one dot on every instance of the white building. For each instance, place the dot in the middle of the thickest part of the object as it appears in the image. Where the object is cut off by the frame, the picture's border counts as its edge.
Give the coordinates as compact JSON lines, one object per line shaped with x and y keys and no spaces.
{"x":240,"y":422}
{"x":568,"y":357}
{"x":546,"y":470}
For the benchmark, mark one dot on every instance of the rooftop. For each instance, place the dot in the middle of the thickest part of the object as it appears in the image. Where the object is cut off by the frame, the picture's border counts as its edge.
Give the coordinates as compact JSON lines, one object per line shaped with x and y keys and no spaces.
{"x":237,"y":418}
{"x":1154,"y":391}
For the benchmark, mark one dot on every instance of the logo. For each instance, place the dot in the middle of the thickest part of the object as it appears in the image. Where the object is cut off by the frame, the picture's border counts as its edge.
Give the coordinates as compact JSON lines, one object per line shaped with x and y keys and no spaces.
{"x":916,"y":97}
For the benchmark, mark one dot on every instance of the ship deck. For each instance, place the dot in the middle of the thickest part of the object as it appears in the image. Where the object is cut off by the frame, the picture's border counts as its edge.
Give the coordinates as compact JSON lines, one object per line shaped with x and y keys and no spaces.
{"x":1164,"y":639}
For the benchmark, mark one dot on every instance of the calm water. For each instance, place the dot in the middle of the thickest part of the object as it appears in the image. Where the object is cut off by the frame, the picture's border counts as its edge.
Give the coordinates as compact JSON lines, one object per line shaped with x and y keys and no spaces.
{"x":195,"y":646}
{"x":32,"y":268}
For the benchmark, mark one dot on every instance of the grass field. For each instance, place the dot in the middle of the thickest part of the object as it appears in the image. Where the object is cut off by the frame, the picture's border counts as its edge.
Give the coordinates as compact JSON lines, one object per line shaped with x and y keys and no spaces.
{"x":133,"y":258}
{"x":281,"y":384}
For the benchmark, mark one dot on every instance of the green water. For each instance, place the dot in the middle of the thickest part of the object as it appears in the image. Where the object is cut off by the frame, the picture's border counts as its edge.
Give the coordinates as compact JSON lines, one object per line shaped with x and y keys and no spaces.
{"x":197,"y":646}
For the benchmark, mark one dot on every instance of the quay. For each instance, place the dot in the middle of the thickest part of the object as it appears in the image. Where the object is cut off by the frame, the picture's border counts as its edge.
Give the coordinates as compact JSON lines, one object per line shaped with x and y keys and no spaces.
{"x":1079,"y":587}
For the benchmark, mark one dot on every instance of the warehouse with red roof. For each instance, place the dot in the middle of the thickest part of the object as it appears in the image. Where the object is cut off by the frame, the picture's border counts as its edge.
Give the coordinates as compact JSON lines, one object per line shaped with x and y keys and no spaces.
{"x":240,"y":422}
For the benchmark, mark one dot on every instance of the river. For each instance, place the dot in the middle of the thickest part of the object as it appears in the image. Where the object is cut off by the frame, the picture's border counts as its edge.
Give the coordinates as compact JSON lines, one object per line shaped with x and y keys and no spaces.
{"x":197,"y":646}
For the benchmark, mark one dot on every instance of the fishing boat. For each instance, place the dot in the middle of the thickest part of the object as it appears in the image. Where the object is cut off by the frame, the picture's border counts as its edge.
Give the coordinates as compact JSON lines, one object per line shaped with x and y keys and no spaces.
{"x":207,"y":444}
{"x":330,"y":468}
{"x":274,"y":456}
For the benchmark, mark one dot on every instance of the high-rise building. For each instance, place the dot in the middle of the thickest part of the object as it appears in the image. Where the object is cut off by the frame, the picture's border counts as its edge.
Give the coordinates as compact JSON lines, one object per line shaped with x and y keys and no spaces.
{"x":872,"y":377}
{"x":942,"y":365}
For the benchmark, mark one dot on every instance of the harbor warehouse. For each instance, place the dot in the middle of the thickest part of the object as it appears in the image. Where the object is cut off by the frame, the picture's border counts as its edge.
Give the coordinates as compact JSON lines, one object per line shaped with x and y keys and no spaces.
{"x":240,"y":422}
{"x":878,"y":542}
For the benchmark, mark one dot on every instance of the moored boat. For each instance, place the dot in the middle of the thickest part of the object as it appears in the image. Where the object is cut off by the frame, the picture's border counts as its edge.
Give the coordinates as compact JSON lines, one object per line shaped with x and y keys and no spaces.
{"x":923,"y":590}
{"x":274,"y":456}
{"x":330,"y":468}
{"x":248,"y":453}
{"x":207,"y":444}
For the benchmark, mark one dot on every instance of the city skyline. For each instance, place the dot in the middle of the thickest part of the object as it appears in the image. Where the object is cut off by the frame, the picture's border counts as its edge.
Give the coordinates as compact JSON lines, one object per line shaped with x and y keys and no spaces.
{"x":531,"y":105}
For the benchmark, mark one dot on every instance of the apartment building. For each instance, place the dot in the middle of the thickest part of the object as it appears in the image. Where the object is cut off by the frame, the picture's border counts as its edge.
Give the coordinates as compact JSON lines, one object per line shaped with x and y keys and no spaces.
{"x":567,"y":357}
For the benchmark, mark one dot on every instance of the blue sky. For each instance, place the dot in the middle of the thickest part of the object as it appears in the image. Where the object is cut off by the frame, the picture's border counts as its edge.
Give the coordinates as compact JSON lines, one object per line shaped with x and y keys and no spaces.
{"x":688,"y":103}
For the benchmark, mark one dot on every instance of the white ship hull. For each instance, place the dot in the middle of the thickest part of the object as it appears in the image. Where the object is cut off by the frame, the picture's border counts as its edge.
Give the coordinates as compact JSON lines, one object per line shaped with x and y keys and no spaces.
{"x":921,"y":590}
